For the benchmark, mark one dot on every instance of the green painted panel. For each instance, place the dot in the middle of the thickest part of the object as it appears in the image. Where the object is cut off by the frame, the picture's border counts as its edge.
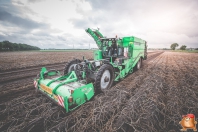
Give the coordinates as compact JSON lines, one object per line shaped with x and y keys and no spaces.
{"x":97,"y":55}
{"x":127,"y":40}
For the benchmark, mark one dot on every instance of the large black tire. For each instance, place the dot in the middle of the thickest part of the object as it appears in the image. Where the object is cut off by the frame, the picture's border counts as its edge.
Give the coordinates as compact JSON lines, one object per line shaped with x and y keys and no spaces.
{"x":104,"y":78}
{"x":139,"y":64}
{"x":69,"y":65}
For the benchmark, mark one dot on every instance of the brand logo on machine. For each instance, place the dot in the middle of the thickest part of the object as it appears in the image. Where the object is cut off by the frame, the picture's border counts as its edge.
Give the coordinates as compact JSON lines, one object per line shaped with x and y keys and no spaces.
{"x":188,"y":122}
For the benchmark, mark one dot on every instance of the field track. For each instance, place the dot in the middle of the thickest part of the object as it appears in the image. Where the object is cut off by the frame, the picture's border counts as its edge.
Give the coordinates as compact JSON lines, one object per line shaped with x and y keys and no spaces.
{"x":150,"y":99}
{"x":8,"y":75}
{"x":19,"y":81}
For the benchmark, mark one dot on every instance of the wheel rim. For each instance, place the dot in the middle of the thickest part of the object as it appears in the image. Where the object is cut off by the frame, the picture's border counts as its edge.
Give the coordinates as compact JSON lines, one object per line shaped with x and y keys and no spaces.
{"x":71,"y":68}
{"x":105,"y":79}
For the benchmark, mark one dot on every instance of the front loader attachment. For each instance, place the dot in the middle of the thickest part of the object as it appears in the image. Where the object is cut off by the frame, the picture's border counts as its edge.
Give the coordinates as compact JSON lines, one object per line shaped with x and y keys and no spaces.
{"x":67,"y":90}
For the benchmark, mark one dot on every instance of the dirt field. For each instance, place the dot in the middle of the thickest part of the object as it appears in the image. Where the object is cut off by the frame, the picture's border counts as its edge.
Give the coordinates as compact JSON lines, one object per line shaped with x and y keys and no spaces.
{"x":14,"y":60}
{"x":152,"y":99}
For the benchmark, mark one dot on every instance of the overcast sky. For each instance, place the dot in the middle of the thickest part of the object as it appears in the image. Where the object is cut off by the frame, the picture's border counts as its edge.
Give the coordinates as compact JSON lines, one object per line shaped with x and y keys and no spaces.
{"x":62,"y":23}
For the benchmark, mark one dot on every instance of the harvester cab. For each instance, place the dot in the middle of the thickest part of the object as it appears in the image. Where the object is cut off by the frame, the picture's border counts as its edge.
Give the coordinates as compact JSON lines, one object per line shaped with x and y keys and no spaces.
{"x":114,"y":60}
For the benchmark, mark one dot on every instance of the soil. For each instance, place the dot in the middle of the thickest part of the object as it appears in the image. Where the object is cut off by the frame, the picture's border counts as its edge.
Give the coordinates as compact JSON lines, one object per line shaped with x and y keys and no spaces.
{"x":153,"y":98}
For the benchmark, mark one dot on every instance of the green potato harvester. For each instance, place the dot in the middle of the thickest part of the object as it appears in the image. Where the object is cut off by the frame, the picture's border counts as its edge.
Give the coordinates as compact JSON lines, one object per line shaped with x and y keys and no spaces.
{"x":82,"y":79}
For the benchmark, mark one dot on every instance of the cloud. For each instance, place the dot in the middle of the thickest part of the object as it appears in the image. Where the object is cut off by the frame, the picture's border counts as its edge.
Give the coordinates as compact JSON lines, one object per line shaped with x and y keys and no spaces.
{"x":141,"y":16}
{"x":33,"y":1}
{"x":56,"y":24}
{"x":17,"y":27}
{"x":18,"y":21}
{"x":175,"y":20}
{"x":18,"y":3}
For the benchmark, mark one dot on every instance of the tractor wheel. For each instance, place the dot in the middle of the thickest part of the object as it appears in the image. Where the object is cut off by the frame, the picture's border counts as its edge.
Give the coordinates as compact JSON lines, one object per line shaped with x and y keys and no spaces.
{"x":104,"y":78}
{"x":70,"y":65}
{"x":139,"y":64}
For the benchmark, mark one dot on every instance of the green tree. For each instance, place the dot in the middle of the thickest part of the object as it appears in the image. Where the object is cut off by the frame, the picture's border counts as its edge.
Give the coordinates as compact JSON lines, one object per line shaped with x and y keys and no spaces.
{"x":173,"y":46}
{"x":1,"y":46}
{"x":183,"y":47}
{"x":9,"y":46}
{"x":6,"y":45}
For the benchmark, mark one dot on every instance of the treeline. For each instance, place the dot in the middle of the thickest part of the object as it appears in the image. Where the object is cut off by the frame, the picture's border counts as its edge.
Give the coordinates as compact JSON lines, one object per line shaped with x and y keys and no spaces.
{"x":64,"y":49}
{"x":9,"y":46}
